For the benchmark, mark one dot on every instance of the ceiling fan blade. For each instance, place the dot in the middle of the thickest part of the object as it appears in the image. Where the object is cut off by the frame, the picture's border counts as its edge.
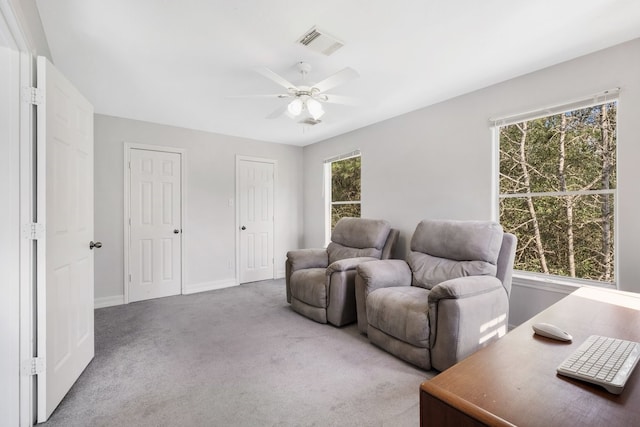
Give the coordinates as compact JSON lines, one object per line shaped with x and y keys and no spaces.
{"x":339,"y":99}
{"x":278,"y":112}
{"x":336,"y":79}
{"x":276,"y":78}
{"x":271,"y":96}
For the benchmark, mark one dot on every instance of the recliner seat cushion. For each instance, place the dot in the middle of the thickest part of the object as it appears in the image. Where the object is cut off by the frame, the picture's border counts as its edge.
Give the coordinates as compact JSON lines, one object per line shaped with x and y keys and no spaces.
{"x":427,"y":271}
{"x":401,"y":312}
{"x":310,"y":286}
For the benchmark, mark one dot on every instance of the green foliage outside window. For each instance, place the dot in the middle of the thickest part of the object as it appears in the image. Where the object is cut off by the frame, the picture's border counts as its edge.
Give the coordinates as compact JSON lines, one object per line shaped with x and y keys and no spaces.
{"x":345,"y":189}
{"x":557,"y":188}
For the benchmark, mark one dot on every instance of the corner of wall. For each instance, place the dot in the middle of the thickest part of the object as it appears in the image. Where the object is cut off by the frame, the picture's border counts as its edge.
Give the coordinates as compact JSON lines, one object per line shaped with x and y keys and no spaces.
{"x":110,"y":301}
{"x":209,"y":286}
{"x":28,"y":16}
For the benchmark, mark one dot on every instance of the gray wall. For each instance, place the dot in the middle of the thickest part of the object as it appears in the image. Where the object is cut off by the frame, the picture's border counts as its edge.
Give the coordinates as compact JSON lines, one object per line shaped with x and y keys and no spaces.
{"x":437,"y":162}
{"x":209,"y":224}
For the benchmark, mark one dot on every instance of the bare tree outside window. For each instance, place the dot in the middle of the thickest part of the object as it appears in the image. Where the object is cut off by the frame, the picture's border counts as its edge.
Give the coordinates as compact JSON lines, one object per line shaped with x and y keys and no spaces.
{"x":345,"y":189}
{"x":557,"y":188}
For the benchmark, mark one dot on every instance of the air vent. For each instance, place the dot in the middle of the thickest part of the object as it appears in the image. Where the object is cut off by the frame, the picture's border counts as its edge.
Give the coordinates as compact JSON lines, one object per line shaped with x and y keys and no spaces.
{"x":319,"y":41}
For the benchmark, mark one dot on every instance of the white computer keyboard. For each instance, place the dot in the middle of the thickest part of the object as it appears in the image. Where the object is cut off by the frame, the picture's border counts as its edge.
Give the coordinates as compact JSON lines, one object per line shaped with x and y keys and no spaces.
{"x":603,"y":361}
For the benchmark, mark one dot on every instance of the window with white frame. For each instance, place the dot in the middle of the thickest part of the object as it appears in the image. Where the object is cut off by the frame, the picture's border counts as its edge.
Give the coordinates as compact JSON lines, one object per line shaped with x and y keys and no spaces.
{"x":557,"y":188}
{"x":342,"y":189}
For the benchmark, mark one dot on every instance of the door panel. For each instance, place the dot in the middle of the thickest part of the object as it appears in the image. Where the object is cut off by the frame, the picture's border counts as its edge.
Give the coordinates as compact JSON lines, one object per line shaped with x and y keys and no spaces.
{"x":64,"y":261}
{"x":255,"y":189}
{"x":155,"y":212}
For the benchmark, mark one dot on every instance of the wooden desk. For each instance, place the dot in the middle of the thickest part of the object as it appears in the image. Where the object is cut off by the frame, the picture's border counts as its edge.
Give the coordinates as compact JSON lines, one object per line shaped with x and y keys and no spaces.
{"x":514,"y":382}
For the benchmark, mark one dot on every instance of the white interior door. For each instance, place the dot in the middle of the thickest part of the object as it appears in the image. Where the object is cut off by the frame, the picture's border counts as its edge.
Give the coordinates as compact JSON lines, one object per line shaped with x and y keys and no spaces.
{"x":255,"y":191}
{"x":156,"y":224}
{"x":64,"y":260}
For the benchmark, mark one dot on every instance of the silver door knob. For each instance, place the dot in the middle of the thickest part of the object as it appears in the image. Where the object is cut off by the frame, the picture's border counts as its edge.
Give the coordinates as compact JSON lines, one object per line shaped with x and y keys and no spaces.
{"x":243,"y":228}
{"x":93,"y":244}
{"x":176,"y":231}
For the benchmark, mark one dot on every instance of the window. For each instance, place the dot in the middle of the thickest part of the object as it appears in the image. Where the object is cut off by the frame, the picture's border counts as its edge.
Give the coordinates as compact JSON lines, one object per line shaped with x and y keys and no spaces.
{"x":342,"y":189}
{"x":557,"y":189}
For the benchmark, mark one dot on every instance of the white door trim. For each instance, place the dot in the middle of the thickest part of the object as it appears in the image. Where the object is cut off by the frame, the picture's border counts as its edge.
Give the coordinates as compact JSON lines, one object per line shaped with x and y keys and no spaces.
{"x":27,"y":247}
{"x":128,"y":146}
{"x":19,"y":303}
{"x":274,"y":162}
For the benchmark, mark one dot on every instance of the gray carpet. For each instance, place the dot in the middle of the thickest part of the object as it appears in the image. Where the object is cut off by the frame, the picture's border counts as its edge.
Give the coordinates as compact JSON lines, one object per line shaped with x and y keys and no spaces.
{"x":236,"y":357}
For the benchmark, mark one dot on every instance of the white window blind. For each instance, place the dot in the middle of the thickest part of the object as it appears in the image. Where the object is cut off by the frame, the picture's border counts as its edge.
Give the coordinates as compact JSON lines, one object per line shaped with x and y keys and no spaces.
{"x":587,"y":101}
{"x":354,"y":153}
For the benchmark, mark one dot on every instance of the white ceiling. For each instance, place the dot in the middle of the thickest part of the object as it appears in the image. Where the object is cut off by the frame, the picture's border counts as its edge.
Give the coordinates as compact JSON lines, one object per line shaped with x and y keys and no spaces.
{"x":177,"y":62}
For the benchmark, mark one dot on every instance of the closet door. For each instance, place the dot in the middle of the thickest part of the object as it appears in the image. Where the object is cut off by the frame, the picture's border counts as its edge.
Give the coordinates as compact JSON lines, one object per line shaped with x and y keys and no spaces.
{"x":155,"y":190}
{"x":255,"y":180}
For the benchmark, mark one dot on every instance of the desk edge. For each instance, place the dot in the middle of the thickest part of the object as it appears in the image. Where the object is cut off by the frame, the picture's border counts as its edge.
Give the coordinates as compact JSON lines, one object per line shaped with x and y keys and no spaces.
{"x":463,"y":405}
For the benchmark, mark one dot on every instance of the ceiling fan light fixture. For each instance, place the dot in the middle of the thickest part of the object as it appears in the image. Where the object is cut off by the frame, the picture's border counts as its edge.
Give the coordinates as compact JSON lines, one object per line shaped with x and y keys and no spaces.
{"x":306,"y":99}
{"x":295,"y":107}
{"x":314,"y":108}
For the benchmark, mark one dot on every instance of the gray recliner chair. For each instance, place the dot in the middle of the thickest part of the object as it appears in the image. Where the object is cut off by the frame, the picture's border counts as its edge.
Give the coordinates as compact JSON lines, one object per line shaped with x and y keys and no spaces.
{"x":447,"y":300}
{"x":321,"y":282}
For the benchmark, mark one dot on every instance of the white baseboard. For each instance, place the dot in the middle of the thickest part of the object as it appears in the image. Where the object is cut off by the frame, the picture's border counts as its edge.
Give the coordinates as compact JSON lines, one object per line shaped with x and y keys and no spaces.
{"x":280,"y":274}
{"x":208,"y":286}
{"x":103,"y":302}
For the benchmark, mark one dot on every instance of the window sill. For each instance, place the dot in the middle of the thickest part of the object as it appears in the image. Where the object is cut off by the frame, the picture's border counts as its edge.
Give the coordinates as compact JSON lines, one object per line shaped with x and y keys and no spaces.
{"x":554,"y":283}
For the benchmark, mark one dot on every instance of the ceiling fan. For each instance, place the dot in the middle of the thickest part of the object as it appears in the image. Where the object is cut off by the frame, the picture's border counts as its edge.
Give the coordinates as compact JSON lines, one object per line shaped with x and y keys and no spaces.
{"x":307,"y":98}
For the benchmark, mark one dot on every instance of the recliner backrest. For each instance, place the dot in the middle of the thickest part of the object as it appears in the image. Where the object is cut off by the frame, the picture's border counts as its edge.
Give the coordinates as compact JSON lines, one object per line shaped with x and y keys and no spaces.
{"x":447,"y":249}
{"x":390,"y":244}
{"x":358,"y":237}
{"x":506,"y":260}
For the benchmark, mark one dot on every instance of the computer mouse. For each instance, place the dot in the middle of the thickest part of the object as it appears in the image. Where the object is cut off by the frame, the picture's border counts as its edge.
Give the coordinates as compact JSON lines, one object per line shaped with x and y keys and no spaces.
{"x":551,"y":331}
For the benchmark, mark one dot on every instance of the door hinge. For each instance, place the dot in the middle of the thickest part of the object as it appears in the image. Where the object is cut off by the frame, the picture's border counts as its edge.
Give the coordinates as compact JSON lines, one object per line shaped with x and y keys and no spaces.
{"x":33,"y":231}
{"x":34,"y":366}
{"x":32,"y":95}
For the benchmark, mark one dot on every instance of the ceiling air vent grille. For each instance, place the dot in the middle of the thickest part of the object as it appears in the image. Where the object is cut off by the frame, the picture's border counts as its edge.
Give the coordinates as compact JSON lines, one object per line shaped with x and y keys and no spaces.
{"x":319,"y":41}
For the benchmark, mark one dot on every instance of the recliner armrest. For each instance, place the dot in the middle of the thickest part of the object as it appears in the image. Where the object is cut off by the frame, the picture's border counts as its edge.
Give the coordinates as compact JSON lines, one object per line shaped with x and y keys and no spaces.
{"x":384,"y":274}
{"x":301,"y":259}
{"x":465,"y":314}
{"x":308,"y":258}
{"x":373,"y":275}
{"x":464,"y":287}
{"x":348,"y":264}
